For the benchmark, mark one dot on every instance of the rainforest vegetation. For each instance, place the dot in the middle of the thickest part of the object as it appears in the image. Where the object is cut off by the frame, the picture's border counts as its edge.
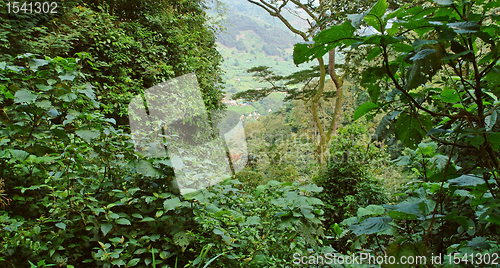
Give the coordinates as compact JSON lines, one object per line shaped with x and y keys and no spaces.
{"x":391,"y":151}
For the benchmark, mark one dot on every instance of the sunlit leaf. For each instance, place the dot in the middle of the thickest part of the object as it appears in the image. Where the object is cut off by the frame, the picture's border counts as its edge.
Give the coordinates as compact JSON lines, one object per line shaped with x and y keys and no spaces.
{"x":466,"y":180}
{"x":25,"y":95}
{"x":172,"y":203}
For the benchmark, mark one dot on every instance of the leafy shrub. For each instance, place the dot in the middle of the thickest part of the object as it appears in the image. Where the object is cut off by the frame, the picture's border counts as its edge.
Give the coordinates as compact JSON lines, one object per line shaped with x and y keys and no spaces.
{"x":258,"y":227}
{"x":347,"y":187}
{"x":250,"y":177}
{"x":80,"y":194}
{"x":133,"y":45}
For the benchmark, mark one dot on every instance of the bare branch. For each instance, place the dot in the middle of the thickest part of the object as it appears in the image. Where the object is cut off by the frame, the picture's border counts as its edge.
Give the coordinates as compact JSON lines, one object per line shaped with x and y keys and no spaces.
{"x":276,"y":12}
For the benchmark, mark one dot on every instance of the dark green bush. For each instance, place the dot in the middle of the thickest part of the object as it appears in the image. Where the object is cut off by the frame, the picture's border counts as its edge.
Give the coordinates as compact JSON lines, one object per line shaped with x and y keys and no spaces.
{"x":349,"y":180}
{"x":347,"y":187}
{"x":80,"y":194}
{"x":258,"y":227}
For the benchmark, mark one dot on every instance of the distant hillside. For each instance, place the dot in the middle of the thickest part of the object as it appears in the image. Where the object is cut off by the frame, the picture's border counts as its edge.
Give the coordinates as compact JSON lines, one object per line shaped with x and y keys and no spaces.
{"x":254,"y":38}
{"x":274,"y":39}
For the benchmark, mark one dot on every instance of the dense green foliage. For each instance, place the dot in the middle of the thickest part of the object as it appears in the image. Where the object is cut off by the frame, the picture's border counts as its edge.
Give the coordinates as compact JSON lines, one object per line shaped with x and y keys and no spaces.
{"x":130,"y":46}
{"x":353,"y":176}
{"x":75,"y":193}
{"x":82,"y":196}
{"x":436,"y":76}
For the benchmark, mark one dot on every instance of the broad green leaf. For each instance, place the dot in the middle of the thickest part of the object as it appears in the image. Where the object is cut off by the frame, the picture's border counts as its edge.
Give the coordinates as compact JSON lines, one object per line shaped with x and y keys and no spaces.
{"x":397,"y":12}
{"x":88,"y":135}
{"x":155,"y":237}
{"x":171,"y":204}
{"x":35,"y":187}
{"x":166,"y":162}
{"x":477,"y":141}
{"x":324,"y":42}
{"x":123,"y":221}
{"x":115,"y":240}
{"x":218,"y":232}
{"x":51,"y":81}
{"x":402,"y":160}
{"x":370,"y":210}
{"x":114,"y":215}
{"x":117,"y":262}
{"x":45,"y":159}
{"x":494,"y":216}
{"x":310,"y":188}
{"x":183,"y":239}
{"x":373,"y":53}
{"x":177,"y":162}
{"x":437,"y":131}
{"x":259,"y":189}
{"x":490,"y":120}
{"x":44,"y":104}
{"x":34,"y":64}
{"x":379,"y":8}
{"x":252,"y":220}
{"x":444,"y":2}
{"x":370,"y":80}
{"x":375,"y":18}
{"x":423,"y":42}
{"x":106,"y":227}
{"x":14,"y":68}
{"x":145,"y":168}
{"x":393,"y":30}
{"x":439,"y":161}
{"x":61,"y":225}
{"x":427,"y":147}
{"x":68,"y":77}
{"x":409,"y":131}
{"x":356,"y":19}
{"x":479,"y":242}
{"x":422,"y":54}
{"x":464,"y":27}
{"x":400,"y":47}
{"x":25,"y":95}
{"x":69,"y":97}
{"x":371,"y":225}
{"x":364,"y":109}
{"x":407,"y":207}
{"x":495,"y":141}
{"x":449,"y":96}
{"x":337,"y":229}
{"x":426,"y":63}
{"x":69,"y":119}
{"x":19,"y":154}
{"x":307,"y":213}
{"x":133,"y":262}
{"x":471,"y":228}
{"x":466,"y":180}
{"x":88,"y":91}
{"x":336,"y":35}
